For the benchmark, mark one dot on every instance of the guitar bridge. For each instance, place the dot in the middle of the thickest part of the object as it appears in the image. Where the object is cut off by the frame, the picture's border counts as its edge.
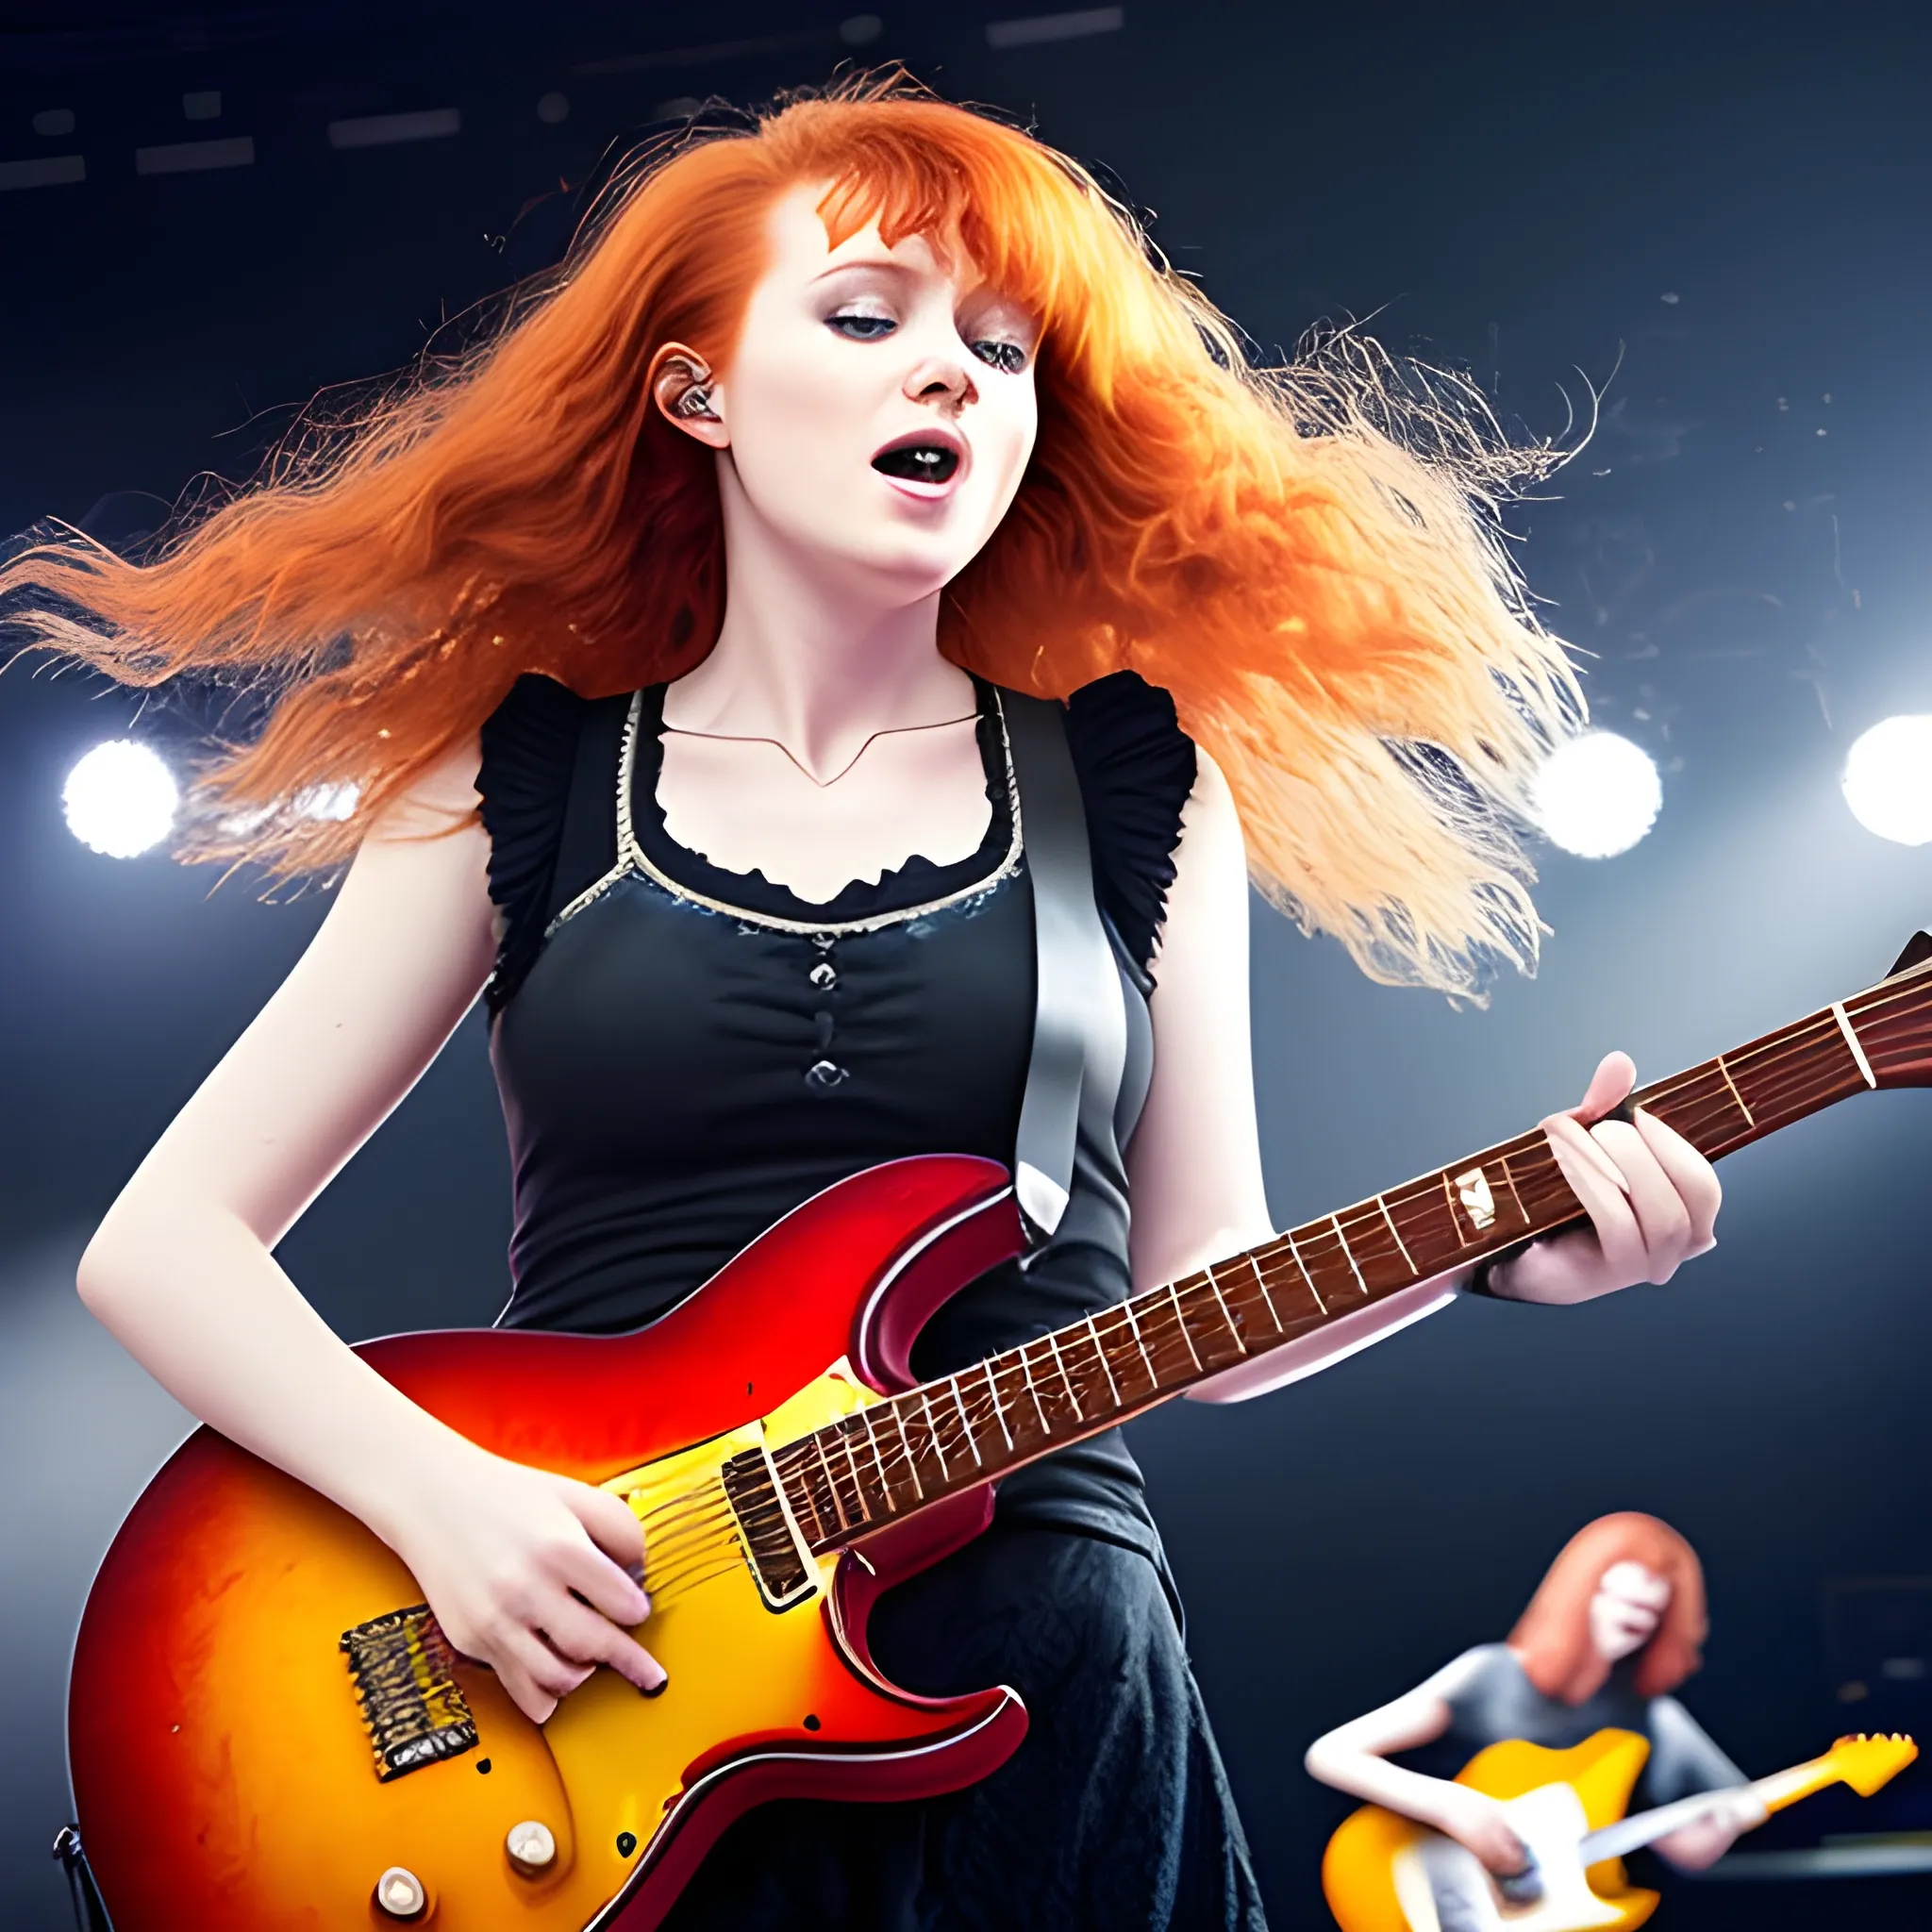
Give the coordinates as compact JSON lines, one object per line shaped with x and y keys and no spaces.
{"x":771,"y":1538}
{"x":414,"y":1710}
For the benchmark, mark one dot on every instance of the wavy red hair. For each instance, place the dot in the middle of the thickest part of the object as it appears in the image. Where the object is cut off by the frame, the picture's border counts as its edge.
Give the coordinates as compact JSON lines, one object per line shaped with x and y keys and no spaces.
{"x":1330,"y":602}
{"x":1552,"y":1637}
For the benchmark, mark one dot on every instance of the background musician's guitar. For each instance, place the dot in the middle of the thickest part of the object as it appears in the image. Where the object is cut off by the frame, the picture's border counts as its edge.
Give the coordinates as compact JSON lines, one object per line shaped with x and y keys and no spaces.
{"x":1383,"y":1873}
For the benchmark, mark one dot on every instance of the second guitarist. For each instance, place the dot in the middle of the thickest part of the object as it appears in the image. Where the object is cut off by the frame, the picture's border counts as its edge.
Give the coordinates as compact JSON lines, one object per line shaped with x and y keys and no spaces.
{"x":1614,"y":1627}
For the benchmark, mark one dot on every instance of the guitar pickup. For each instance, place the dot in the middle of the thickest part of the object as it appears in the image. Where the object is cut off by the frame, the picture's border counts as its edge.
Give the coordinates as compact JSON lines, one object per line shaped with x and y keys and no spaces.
{"x":771,"y":1540}
{"x":414,"y":1710}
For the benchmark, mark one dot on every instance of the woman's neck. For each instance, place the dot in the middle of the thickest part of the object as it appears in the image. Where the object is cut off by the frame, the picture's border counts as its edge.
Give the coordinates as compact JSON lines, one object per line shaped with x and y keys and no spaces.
{"x":816,"y":664}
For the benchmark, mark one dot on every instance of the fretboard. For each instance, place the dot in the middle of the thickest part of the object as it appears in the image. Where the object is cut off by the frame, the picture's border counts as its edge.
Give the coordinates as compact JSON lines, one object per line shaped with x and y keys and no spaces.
{"x":886,"y":1462}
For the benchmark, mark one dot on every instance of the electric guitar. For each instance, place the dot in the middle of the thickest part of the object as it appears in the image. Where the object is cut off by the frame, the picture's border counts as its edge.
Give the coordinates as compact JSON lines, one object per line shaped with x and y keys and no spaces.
{"x":269,"y":1733}
{"x":1384,"y":1873}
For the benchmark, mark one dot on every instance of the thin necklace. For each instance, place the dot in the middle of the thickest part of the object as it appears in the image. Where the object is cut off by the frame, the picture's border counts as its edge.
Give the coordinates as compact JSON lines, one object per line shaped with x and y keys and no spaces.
{"x":888,"y":731}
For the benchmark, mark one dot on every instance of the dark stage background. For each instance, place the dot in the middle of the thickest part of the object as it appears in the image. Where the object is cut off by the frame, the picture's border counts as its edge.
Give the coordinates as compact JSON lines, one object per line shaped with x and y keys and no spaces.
{"x":1734,"y":201}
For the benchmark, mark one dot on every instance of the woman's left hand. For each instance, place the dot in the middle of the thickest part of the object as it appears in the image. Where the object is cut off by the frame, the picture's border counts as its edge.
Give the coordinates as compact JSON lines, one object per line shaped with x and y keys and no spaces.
{"x":1650,"y":1197}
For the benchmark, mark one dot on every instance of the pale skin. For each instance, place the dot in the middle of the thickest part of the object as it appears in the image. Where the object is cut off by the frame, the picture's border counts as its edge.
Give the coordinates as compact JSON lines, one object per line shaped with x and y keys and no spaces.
{"x":1624,"y":1610}
{"x":825,"y":739}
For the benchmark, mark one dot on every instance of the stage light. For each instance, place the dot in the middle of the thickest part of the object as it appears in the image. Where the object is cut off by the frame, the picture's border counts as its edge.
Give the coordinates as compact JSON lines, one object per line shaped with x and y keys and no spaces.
{"x":121,"y":799}
{"x":1887,"y":780}
{"x":1597,"y":795}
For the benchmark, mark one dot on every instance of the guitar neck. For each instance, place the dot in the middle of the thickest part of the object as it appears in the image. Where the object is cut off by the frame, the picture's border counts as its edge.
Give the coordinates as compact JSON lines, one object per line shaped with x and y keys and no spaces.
{"x":895,"y":1458}
{"x":1774,"y":1793}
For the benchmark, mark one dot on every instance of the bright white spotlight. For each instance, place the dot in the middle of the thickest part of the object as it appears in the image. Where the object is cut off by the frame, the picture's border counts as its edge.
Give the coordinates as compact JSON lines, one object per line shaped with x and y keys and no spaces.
{"x":1887,"y":780}
{"x":121,"y":798}
{"x":1596,"y":795}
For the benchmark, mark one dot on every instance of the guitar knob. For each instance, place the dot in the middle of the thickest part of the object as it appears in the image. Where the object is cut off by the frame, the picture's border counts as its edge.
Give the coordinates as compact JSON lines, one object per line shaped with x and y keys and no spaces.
{"x":531,"y":1847}
{"x":400,"y":1894}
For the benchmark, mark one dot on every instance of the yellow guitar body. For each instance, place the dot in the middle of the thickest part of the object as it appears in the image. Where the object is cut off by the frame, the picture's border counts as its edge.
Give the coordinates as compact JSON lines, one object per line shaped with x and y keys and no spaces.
{"x":1360,"y":1868}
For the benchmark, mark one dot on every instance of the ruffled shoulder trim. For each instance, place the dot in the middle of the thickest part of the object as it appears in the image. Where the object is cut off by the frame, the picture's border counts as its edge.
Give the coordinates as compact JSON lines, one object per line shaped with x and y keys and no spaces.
{"x":530,"y":749}
{"x":1136,"y":767}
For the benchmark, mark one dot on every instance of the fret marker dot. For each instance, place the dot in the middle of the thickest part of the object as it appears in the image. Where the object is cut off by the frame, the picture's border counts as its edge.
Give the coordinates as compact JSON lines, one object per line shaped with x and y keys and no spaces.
{"x":1597,"y":795}
{"x":1887,"y":780}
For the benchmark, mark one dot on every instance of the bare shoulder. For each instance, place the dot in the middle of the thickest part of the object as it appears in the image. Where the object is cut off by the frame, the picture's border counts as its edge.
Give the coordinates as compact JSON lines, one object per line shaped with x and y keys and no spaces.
{"x":443,"y":800}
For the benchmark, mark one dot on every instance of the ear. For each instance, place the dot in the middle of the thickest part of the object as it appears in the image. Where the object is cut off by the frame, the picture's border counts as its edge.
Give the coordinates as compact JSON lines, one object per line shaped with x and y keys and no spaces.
{"x":686,"y":394}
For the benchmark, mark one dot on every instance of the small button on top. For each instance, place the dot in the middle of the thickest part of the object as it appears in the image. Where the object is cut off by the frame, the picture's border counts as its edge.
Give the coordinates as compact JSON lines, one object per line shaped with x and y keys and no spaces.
{"x":824,"y":973}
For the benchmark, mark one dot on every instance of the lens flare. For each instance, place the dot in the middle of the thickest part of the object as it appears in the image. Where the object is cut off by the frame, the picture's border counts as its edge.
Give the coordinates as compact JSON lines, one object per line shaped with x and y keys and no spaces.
{"x":121,"y":799}
{"x":1887,"y":780}
{"x":1597,"y":795}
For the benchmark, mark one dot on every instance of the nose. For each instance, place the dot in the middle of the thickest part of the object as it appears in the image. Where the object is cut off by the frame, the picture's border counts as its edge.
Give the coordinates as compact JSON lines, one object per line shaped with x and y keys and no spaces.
{"x":944,"y":380}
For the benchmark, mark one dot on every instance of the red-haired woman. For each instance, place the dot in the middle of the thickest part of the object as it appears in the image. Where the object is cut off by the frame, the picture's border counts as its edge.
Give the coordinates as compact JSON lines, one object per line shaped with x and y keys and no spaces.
{"x":706,"y":573}
{"x":1616,"y":1625}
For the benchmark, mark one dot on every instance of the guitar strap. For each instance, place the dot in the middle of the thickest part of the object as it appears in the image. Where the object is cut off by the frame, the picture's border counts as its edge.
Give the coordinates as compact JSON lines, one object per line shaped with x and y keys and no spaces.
{"x":1074,"y":1076}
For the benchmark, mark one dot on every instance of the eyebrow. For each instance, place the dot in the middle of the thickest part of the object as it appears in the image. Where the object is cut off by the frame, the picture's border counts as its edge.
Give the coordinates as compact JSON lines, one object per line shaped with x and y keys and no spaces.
{"x":867,"y":261}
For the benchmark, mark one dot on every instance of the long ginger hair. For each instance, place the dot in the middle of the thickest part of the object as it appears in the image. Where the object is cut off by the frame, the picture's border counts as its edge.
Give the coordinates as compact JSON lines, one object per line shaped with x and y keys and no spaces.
{"x":1552,"y":1637}
{"x":1307,"y":556}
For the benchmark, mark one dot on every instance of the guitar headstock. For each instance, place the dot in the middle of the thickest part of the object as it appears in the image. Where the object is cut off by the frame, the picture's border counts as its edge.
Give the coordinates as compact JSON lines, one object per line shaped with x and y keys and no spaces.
{"x":1867,"y":1762}
{"x":1894,"y":1019}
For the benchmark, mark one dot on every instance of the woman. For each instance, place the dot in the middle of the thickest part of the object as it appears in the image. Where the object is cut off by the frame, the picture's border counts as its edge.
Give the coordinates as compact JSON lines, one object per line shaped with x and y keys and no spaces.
{"x":823,"y":433}
{"x":1615,"y":1625}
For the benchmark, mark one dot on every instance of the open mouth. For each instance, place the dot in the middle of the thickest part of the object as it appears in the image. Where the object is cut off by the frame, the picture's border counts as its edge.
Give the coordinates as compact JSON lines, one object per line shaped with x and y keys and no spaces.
{"x":919,"y":460}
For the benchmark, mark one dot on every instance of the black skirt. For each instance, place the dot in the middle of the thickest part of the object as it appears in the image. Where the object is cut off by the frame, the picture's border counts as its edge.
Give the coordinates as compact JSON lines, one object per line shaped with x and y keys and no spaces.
{"x":1114,"y":1814}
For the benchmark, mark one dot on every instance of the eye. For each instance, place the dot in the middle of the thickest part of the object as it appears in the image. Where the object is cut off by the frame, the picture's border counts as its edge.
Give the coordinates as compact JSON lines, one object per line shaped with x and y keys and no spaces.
{"x":1010,"y":359}
{"x":860,"y":326}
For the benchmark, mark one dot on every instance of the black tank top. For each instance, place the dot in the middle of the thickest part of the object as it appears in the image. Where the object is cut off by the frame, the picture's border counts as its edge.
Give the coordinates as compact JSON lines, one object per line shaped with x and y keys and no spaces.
{"x":686,"y":1054}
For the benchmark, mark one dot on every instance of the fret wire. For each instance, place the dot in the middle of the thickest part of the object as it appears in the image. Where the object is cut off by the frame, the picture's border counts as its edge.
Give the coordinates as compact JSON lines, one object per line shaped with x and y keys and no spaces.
{"x":906,"y":1445}
{"x":872,"y":1442}
{"x":1140,"y":1343}
{"x":1105,"y":1367}
{"x":1749,"y":1117}
{"x":1515,"y":1193}
{"x":1786,"y":1042}
{"x":1180,"y":1315}
{"x":1261,"y":1282}
{"x":992,"y":1389}
{"x":1397,"y":1233}
{"x":1812,"y":1083}
{"x":1081,"y":1335}
{"x":1039,"y":1408}
{"x":1348,"y":1253}
{"x":932,"y":1434}
{"x":1014,"y":1359}
{"x":1052,"y":1341}
{"x":1295,"y":1255}
{"x":857,"y":1481}
{"x":797,"y":1488}
{"x":965,"y":1421}
{"x":1221,"y":1301}
{"x":831,"y":1482}
{"x":1852,"y":1040}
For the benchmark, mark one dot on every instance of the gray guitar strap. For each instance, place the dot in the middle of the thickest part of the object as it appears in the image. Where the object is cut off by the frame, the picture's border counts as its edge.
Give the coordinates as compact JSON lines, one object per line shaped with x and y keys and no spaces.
{"x":1079,"y":1018}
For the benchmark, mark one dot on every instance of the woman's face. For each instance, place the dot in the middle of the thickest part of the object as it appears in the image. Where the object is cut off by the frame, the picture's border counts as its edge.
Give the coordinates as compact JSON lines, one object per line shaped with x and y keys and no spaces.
{"x":878,"y":409}
{"x":1629,"y":1604}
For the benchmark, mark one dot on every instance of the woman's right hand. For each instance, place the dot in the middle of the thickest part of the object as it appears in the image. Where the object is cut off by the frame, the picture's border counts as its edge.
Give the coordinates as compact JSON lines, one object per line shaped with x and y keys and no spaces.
{"x":1479,"y":1822}
{"x":529,"y":1573}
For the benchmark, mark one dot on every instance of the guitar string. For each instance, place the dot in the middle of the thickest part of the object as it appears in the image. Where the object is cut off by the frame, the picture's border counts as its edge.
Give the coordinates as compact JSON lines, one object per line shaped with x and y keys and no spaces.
{"x":683,"y":1529}
{"x":1791,"y":1050}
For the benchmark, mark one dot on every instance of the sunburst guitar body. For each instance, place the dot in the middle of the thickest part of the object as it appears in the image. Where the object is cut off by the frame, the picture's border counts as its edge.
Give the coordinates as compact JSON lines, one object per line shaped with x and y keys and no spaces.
{"x":268,"y":1734}
{"x":1383,"y":1872}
